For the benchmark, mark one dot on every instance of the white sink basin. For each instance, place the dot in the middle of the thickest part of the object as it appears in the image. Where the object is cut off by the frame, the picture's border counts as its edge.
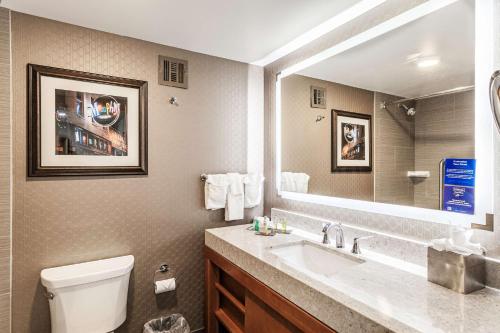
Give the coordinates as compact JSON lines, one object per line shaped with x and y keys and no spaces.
{"x":314,"y":259}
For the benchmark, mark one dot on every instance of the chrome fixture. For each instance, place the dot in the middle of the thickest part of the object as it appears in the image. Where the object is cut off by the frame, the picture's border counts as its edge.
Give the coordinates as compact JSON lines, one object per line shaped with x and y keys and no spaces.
{"x":436,"y":94}
{"x":319,"y":118}
{"x":173,"y":101}
{"x":410,"y":111}
{"x":355,"y":244}
{"x":339,"y":234}
{"x":460,"y":273}
{"x":164,"y":268}
{"x":49,"y":295}
{"x":495,"y":97}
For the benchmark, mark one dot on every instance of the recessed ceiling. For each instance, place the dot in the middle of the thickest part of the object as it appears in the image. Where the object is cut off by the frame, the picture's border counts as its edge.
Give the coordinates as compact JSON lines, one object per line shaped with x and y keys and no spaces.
{"x":389,"y":63}
{"x":243,"y":30}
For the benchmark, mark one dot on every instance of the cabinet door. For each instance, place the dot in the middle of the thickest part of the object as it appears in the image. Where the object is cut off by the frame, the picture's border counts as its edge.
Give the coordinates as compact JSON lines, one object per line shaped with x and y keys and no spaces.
{"x":260,"y":318}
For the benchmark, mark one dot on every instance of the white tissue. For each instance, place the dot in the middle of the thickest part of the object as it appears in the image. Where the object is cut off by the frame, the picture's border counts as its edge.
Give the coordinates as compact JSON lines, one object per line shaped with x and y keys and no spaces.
{"x":458,"y":242}
{"x":440,"y":244}
{"x":164,"y":285}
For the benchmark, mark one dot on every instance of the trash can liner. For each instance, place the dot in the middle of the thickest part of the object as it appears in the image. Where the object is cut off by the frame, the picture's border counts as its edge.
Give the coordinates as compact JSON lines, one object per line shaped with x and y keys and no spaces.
{"x":175,"y":323}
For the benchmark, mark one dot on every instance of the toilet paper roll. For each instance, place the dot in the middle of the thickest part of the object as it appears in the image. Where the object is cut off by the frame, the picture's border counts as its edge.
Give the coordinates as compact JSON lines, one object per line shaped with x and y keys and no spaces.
{"x":164,"y":285}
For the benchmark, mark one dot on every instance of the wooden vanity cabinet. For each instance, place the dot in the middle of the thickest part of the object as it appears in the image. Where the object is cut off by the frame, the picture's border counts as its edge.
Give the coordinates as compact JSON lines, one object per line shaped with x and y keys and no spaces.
{"x":236,"y":302}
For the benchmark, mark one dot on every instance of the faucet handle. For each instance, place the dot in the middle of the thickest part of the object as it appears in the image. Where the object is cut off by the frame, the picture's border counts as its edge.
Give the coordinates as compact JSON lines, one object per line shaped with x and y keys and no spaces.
{"x":326,"y":226}
{"x":355,"y":244}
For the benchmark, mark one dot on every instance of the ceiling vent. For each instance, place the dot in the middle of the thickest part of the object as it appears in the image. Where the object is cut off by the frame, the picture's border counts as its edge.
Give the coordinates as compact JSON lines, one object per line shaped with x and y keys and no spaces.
{"x":318,"y":97}
{"x":172,"y":72}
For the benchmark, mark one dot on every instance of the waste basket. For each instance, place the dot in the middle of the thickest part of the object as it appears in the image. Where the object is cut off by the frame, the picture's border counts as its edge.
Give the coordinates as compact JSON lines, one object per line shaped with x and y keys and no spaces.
{"x":175,"y":323}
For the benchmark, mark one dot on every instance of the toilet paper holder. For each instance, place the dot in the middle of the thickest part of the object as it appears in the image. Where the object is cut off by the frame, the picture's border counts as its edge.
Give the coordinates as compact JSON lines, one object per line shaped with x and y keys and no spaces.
{"x":164,"y":268}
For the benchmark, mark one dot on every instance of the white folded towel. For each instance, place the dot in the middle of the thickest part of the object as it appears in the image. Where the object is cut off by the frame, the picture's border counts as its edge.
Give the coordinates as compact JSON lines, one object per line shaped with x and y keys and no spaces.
{"x":295,"y":182}
{"x":302,"y":182}
{"x":253,"y":189}
{"x":287,"y":182}
{"x":235,"y":198}
{"x":216,"y":191}
{"x":459,"y":242}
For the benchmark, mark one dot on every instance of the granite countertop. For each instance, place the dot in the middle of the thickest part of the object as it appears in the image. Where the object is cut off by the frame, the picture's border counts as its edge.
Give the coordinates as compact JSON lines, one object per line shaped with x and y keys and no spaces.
{"x":370,"y":297}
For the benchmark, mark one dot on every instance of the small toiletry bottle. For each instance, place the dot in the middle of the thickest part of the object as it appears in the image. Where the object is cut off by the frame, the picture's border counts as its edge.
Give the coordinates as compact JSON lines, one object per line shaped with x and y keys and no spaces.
{"x":256,"y":224}
{"x":265,"y":230}
{"x":283,"y":225}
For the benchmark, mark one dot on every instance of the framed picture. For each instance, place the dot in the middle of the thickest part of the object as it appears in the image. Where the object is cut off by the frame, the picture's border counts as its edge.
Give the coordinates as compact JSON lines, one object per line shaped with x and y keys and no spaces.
{"x":351,"y":141}
{"x":85,"y":124}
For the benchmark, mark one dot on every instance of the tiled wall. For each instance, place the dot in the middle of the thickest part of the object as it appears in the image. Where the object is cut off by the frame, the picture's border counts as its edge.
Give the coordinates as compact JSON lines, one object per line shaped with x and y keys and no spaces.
{"x":444,"y":128}
{"x":307,"y":143}
{"x":394,"y":152}
{"x":5,"y":171}
{"x":157,"y":218}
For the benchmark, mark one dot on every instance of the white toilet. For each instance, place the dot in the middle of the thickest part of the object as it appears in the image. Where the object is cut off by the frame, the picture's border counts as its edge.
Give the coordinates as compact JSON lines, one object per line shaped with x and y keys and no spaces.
{"x":90,"y":297}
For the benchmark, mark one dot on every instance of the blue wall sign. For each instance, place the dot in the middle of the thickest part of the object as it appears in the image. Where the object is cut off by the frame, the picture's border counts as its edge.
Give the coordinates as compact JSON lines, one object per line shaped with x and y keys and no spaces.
{"x":459,"y":184}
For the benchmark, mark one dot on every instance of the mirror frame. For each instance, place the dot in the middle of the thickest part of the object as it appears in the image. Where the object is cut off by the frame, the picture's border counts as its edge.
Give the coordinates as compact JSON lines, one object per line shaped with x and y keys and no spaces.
{"x":484,"y":125}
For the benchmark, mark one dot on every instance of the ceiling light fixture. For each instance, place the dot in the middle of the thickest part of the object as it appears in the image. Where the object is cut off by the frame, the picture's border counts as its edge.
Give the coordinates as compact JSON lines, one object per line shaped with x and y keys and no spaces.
{"x":427,"y":62}
{"x":331,"y":24}
{"x":410,"y":15}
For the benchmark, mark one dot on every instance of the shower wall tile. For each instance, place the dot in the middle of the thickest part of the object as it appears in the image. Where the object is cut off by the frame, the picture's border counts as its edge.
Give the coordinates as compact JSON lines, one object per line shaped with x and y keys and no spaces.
{"x":394,"y":152}
{"x":444,"y":127}
{"x":157,"y":218}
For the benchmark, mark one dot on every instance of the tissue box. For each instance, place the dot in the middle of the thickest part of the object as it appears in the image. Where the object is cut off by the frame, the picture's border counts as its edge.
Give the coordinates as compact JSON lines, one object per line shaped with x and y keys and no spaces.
{"x":463,"y":274}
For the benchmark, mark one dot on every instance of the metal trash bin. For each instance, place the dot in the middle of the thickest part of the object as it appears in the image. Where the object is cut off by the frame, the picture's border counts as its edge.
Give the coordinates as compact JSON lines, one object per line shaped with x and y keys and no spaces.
{"x":175,"y":323}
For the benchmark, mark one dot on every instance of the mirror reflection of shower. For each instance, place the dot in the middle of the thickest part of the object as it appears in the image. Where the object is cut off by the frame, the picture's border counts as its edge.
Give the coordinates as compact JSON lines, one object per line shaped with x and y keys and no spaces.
{"x":410,"y":111}
{"x":408,"y":107}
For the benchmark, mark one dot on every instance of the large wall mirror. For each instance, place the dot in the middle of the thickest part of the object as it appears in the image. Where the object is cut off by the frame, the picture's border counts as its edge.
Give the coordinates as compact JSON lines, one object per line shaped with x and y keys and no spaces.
{"x":394,"y":120}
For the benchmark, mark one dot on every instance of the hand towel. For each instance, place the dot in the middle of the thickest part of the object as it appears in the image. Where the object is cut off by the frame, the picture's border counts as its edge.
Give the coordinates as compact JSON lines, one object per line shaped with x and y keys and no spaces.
{"x":253,"y":189}
{"x":287,"y":182}
{"x":216,"y":191}
{"x":295,"y":182}
{"x":301,"y":182}
{"x":235,"y":198}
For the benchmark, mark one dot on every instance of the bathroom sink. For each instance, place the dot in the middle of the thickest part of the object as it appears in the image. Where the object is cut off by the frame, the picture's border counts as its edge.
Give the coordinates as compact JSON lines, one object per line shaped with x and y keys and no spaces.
{"x":314,"y":259}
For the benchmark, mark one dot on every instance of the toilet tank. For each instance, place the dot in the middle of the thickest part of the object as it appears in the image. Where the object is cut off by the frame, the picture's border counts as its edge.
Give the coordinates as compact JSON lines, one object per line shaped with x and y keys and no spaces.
{"x":90,"y":297}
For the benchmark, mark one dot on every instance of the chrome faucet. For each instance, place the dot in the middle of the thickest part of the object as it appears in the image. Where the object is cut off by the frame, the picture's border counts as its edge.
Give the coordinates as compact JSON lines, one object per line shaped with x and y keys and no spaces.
{"x":355,"y":244}
{"x":339,"y":234}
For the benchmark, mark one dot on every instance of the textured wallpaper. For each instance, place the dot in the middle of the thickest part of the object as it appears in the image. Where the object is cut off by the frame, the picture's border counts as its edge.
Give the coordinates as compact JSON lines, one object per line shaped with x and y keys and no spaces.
{"x":158,"y":218}
{"x":306,"y":144}
{"x":5,"y":170}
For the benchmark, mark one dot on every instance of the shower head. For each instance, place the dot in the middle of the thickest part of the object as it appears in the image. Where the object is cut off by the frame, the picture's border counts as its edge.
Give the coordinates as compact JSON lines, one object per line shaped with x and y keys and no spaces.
{"x":410,"y":111}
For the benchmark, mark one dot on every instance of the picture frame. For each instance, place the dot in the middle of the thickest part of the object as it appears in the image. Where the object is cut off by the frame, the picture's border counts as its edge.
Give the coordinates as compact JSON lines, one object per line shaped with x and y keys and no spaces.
{"x":351,"y":141}
{"x":85,"y":124}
